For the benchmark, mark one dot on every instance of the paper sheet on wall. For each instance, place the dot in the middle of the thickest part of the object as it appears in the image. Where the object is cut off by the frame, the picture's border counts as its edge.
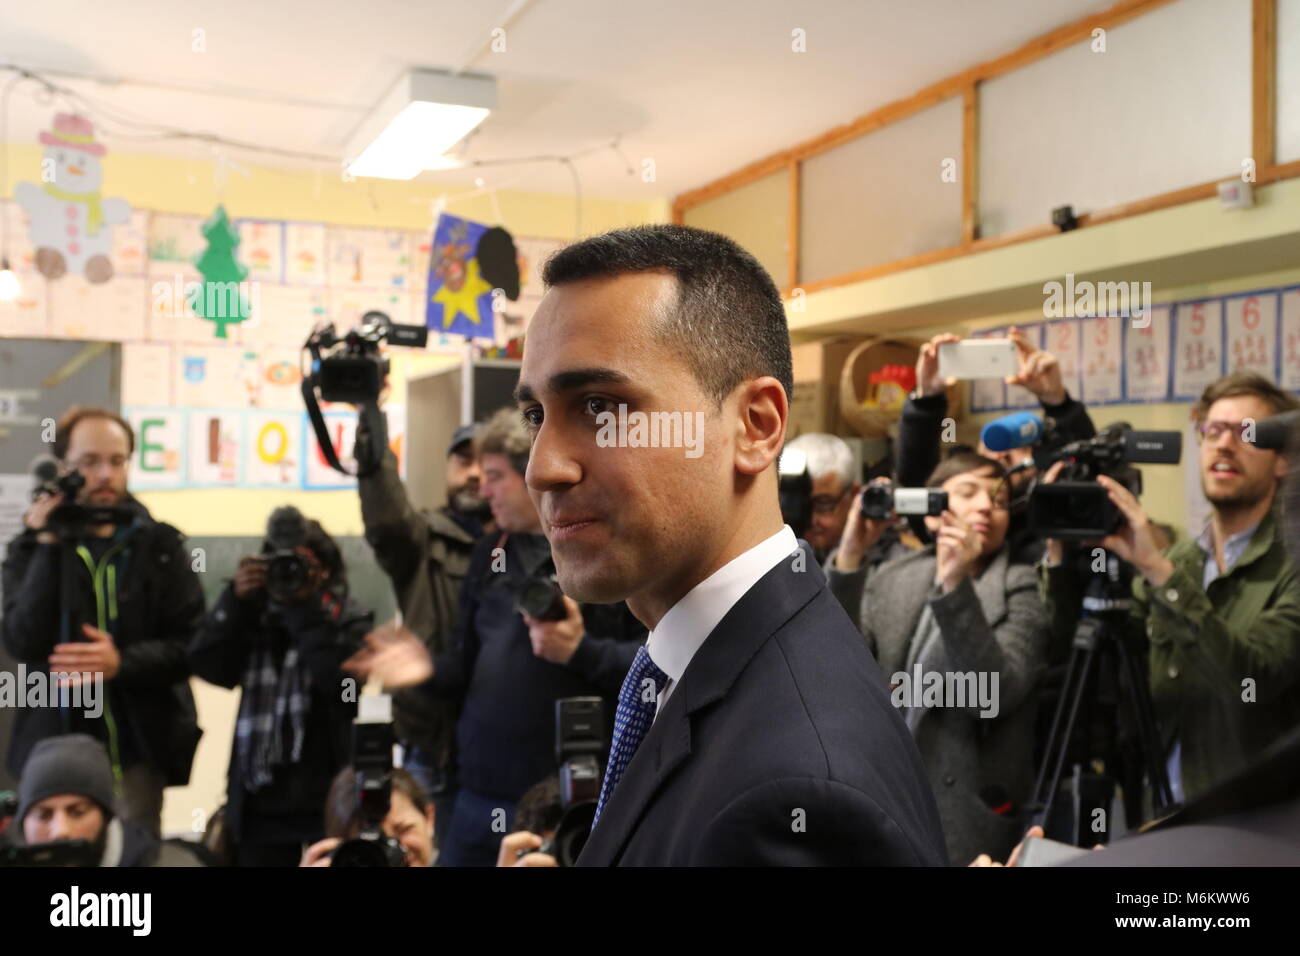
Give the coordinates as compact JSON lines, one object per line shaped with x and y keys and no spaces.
{"x":22,"y":254}
{"x":1101,"y":372}
{"x":282,"y":316}
{"x":1146,"y":358}
{"x":342,"y":430}
{"x":1062,"y":340}
{"x":147,"y":375}
{"x":159,"y":460}
{"x":1290,"y":340}
{"x":215,"y":376}
{"x":112,"y":311}
{"x":273,"y":455}
{"x":347,"y":306}
{"x":27,"y":317}
{"x":304,"y":254}
{"x":215,"y":441}
{"x":1017,"y":395}
{"x":368,"y":259}
{"x":1198,"y":351}
{"x":131,"y":245}
{"x":276,"y":378}
{"x":174,"y":242}
{"x":1252,"y":334}
{"x":261,"y":250}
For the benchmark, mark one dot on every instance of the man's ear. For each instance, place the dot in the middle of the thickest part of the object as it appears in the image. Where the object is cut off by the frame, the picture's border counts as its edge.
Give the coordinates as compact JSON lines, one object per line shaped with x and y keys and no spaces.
{"x":762,"y":409}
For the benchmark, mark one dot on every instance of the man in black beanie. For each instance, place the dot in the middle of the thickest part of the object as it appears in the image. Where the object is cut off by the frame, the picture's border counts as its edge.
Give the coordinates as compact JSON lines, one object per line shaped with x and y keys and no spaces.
{"x":66,"y":793}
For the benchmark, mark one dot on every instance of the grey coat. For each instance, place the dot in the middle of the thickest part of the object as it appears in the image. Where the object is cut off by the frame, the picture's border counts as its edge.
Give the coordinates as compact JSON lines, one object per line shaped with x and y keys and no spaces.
{"x":995,"y":624}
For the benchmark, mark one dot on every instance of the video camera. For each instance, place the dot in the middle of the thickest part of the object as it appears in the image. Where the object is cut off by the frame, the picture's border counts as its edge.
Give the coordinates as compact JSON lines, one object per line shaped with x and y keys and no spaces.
{"x":881,"y":500}
{"x":372,"y":762}
{"x":1076,"y":507}
{"x":349,"y":369}
{"x":71,"y":517}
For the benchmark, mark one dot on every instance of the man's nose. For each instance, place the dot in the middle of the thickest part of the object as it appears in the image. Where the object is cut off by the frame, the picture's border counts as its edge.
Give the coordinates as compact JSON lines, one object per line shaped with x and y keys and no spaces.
{"x":550,"y":462}
{"x":58,"y":827}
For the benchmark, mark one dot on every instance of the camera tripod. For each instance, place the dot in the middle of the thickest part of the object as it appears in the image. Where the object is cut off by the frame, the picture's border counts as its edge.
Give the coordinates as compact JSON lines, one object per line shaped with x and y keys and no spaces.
{"x":1100,"y":641}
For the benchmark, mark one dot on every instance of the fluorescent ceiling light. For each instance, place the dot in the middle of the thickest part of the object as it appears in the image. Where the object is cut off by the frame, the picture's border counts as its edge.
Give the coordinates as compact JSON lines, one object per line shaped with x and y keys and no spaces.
{"x":419,"y":119}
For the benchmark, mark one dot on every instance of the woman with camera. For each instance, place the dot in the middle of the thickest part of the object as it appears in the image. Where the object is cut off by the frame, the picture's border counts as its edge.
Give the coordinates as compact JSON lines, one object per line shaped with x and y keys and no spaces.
{"x":279,"y":632}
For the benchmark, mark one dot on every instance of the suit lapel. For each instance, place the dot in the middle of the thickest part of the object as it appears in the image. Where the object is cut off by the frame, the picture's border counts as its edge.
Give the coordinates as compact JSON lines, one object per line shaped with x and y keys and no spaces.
{"x":765,"y":608}
{"x":903,"y":596}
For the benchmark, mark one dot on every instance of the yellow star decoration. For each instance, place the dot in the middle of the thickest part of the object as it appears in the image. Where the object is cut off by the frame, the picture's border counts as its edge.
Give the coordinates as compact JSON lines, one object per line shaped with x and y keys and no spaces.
{"x":465,"y":301}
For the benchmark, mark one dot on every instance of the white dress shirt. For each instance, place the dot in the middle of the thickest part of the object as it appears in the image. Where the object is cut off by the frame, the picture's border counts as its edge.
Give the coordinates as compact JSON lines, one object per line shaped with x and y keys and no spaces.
{"x":682,"y":631}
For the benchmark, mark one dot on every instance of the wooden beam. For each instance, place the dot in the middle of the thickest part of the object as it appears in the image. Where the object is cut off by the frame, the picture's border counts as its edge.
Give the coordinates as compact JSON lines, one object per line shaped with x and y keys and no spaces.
{"x":970,"y":165}
{"x":792,"y":248}
{"x":1167,"y":200}
{"x":954,"y":85}
{"x":1263,"y":86}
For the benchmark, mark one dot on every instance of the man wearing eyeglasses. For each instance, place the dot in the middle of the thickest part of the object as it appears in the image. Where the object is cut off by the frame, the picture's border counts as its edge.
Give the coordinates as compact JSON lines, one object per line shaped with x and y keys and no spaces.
{"x":1221,"y":610}
{"x":135,"y":606}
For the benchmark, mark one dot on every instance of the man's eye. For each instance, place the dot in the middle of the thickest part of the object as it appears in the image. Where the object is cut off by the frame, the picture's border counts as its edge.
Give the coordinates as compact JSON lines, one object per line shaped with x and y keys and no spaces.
{"x":532,"y":417}
{"x":595,"y":406}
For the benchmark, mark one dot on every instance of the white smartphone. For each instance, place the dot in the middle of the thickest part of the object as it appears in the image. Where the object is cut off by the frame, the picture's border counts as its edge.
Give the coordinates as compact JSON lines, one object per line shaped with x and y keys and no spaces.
{"x":977,"y":358}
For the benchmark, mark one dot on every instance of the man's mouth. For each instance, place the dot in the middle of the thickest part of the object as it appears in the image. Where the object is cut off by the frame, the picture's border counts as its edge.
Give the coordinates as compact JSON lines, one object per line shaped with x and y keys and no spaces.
{"x":570,"y":526}
{"x":1224,"y":469}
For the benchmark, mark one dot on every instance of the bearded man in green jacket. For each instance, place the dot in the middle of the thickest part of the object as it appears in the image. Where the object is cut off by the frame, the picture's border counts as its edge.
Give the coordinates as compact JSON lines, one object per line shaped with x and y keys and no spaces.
{"x":1221,"y":611}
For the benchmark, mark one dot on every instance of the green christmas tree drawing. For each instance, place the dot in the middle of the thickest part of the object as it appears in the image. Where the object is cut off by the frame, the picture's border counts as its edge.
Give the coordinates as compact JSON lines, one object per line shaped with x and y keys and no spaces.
{"x":220,"y":299}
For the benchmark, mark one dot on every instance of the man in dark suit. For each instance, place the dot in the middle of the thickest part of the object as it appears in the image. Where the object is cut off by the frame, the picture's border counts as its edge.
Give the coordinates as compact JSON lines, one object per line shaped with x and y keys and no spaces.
{"x":754,"y":726}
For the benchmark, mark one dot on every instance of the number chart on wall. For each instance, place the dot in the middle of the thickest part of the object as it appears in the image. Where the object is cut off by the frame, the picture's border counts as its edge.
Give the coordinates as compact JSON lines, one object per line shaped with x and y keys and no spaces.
{"x":1169,"y":353}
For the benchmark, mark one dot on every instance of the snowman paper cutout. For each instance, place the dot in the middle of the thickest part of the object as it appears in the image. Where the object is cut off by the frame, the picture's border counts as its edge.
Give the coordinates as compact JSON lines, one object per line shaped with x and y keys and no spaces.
{"x":70,"y":222}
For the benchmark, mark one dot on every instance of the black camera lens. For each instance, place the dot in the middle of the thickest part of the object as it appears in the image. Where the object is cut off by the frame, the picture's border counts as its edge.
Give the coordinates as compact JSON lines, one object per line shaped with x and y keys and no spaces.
{"x":878,"y":501}
{"x":541,"y":599}
{"x":287,"y":573}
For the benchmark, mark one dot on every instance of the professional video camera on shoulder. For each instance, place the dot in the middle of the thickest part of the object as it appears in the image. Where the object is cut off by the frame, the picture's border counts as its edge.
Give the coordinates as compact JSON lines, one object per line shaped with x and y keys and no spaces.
{"x":1076,"y":507}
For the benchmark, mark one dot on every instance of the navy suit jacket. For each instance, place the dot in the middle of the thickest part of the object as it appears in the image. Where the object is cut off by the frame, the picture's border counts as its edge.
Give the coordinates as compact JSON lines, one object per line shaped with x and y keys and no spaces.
{"x":779,"y":747}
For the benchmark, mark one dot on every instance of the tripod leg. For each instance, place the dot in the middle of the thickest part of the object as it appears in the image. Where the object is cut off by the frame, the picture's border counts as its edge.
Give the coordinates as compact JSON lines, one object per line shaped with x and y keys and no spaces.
{"x":1144,"y":713}
{"x":1077,"y":677}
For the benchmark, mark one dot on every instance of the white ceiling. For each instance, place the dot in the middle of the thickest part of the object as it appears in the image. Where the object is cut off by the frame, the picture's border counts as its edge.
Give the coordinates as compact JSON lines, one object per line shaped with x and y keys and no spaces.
{"x":701,"y":86}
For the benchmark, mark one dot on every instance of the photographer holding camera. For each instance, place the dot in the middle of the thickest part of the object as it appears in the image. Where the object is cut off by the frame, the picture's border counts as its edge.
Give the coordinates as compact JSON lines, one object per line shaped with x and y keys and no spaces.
{"x":962,"y":607}
{"x":1221,"y":611}
{"x":134,"y":606}
{"x":920,"y":426}
{"x":426,"y":556}
{"x":508,"y":665}
{"x":279,"y":632}
{"x":409,"y":820}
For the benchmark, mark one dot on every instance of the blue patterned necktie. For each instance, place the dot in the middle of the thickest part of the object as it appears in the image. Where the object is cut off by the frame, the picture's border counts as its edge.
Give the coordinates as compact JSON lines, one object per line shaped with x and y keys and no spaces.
{"x":637,"y":700}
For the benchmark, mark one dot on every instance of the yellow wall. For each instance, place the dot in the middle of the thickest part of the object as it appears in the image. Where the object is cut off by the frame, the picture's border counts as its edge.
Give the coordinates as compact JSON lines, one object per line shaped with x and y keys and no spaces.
{"x":169,"y":185}
{"x":1187,"y":252}
{"x":180,"y":186}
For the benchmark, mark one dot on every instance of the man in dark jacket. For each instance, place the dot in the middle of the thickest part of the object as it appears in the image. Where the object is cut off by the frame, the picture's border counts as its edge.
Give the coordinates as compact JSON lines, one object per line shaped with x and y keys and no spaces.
{"x":66,"y":793}
{"x":921,"y":429}
{"x":282,"y":643}
{"x":135,"y":608}
{"x":508,"y":668}
{"x":426,"y":555}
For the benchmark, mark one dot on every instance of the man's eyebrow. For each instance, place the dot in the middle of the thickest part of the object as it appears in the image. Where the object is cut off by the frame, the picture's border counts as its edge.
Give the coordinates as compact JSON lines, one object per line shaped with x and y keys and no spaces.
{"x":571,"y":379}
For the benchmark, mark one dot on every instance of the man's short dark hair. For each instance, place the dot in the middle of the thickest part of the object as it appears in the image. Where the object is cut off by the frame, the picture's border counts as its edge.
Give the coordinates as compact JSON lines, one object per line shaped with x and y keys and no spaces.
{"x":79,"y":413}
{"x":729,"y":320}
{"x":964,"y":462}
{"x":1245,"y":383}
